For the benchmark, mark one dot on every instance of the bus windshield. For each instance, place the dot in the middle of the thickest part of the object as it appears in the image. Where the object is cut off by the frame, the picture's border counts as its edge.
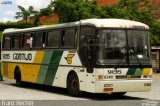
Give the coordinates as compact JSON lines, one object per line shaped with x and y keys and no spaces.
{"x":139,"y":47}
{"x":113,"y":46}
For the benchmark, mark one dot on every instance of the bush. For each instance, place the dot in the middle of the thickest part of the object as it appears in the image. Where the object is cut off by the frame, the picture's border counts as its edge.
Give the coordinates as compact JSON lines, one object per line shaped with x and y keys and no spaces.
{"x":14,"y":25}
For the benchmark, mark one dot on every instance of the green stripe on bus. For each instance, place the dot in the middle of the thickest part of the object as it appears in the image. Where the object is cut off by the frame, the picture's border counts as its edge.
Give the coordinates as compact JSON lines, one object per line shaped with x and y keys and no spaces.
{"x":42,"y":74}
{"x":56,"y":57}
{"x":44,"y":68}
{"x":131,"y":71}
{"x":52,"y":69}
{"x":47,"y":57}
{"x":138,"y":72}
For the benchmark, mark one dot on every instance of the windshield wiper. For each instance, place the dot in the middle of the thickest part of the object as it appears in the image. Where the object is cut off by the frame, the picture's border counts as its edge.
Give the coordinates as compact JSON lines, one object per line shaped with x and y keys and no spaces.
{"x":127,"y":54}
{"x":123,"y":52}
{"x":138,"y":61}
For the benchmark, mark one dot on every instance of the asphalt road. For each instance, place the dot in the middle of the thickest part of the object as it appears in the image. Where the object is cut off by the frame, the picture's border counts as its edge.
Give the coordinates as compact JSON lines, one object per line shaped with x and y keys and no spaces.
{"x":46,"y":96}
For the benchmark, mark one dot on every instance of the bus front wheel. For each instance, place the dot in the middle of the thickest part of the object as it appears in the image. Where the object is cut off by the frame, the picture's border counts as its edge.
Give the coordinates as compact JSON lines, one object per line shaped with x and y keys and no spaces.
{"x":73,"y":85}
{"x":17,"y":77}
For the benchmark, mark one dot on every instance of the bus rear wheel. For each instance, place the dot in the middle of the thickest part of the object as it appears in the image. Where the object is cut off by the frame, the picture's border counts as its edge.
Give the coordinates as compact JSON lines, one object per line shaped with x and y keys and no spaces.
{"x":73,"y":85}
{"x":17,"y":77}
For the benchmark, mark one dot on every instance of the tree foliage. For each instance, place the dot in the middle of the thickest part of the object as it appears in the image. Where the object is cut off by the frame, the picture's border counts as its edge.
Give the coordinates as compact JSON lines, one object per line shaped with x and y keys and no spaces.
{"x":43,"y":12}
{"x":73,"y":10}
{"x":25,"y":14}
{"x":14,"y":25}
{"x":0,"y":35}
{"x":139,"y":10}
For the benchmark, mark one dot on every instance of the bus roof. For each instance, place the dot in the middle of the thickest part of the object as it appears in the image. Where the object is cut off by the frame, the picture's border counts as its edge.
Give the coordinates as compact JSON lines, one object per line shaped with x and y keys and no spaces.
{"x":115,"y":23}
{"x":99,"y":23}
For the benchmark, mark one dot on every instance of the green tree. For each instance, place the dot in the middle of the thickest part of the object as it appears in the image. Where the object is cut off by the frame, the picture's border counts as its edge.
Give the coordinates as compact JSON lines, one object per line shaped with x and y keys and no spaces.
{"x":22,"y":14}
{"x":138,"y":10}
{"x":0,"y":35}
{"x":43,"y":12}
{"x":25,"y":14}
{"x":74,"y":10}
{"x":155,"y":33}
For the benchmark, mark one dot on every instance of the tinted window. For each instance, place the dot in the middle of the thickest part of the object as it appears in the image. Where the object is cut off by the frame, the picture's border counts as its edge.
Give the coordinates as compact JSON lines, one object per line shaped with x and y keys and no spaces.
{"x":39,"y":40}
{"x":27,"y":40}
{"x":111,"y":46}
{"x":87,"y":30}
{"x":86,"y":33}
{"x":139,"y":47}
{"x":53,"y":39}
{"x":15,"y":41}
{"x":6,"y":42}
{"x":68,"y":38}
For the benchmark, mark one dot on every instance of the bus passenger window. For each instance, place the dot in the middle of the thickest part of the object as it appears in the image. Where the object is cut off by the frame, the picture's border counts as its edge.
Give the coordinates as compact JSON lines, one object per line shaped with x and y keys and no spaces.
{"x":15,"y":41}
{"x":53,"y":39}
{"x":6,"y":42}
{"x":68,"y":38}
{"x":39,"y":40}
{"x":28,"y":39}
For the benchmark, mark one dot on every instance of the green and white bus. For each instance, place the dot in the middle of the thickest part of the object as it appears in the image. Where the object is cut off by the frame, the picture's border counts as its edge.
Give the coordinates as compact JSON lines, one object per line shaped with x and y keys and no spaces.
{"x":93,"y":55}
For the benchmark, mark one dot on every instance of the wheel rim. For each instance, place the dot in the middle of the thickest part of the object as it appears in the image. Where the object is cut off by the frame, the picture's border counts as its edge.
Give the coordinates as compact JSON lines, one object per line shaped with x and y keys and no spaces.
{"x":75,"y":84}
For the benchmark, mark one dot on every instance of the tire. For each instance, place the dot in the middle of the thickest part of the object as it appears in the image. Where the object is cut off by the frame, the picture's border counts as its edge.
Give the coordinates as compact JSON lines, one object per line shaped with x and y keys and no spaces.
{"x":18,"y":77}
{"x":118,"y":94}
{"x":73,"y":85}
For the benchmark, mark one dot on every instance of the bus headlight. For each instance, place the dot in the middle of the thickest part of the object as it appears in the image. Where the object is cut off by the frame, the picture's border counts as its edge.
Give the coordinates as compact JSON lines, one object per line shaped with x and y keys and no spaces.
{"x":100,"y":77}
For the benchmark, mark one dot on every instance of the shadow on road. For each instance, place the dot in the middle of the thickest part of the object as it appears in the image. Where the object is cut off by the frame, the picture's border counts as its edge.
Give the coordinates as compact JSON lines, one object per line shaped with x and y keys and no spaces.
{"x":62,"y":91}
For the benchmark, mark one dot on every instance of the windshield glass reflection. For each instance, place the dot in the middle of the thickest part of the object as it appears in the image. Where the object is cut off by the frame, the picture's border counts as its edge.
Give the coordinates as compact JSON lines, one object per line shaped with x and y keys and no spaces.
{"x":112,"y":46}
{"x":138,"y":46}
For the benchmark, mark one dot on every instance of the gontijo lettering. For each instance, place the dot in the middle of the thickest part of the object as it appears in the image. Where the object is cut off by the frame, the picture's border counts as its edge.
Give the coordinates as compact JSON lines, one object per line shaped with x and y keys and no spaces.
{"x":18,"y":56}
{"x":22,"y":56}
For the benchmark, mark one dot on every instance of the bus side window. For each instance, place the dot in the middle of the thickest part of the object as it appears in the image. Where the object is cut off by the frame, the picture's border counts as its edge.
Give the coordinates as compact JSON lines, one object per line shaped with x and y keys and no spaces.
{"x":6,"y":42}
{"x":27,"y":40}
{"x":15,"y":41}
{"x":53,"y":39}
{"x":20,"y":40}
{"x":39,"y":40}
{"x":68,"y":38}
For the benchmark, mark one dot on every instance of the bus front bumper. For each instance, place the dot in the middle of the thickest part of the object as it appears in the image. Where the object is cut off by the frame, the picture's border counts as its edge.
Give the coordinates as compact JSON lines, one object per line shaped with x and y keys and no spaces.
{"x":123,"y":86}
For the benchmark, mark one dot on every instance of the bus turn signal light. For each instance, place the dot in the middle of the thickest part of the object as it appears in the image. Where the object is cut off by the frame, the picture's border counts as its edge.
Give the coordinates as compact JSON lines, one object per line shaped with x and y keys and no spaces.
{"x":108,"y":89}
{"x":100,"y":77}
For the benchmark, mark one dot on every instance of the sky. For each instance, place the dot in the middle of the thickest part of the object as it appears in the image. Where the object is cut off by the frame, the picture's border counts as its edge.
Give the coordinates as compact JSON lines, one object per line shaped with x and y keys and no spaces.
{"x":8,"y":8}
